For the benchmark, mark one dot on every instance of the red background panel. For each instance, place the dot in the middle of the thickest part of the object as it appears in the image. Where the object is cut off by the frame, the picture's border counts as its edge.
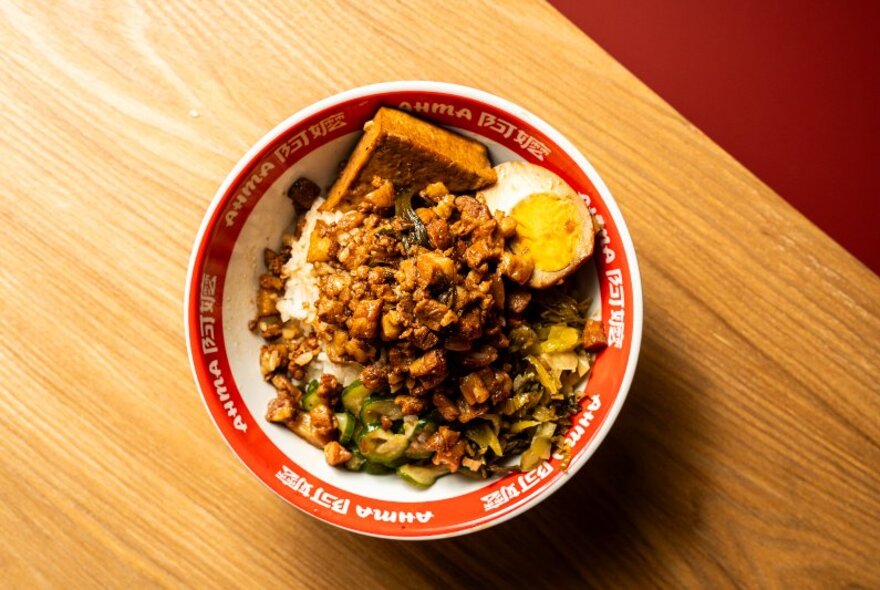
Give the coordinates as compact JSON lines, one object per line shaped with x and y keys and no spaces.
{"x":791,"y":89}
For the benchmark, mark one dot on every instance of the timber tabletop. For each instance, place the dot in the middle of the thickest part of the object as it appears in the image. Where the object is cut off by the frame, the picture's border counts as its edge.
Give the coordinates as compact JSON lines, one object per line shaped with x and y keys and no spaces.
{"x":746,"y":454}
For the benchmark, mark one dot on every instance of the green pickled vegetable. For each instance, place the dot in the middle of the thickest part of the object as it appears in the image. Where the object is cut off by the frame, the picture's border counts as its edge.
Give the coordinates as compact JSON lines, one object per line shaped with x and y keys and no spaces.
{"x":521,"y":425}
{"x":558,"y":307}
{"x":544,"y":414}
{"x":494,"y":420}
{"x":560,"y":361}
{"x":540,"y":448}
{"x":522,"y":338}
{"x":518,"y":401}
{"x":403,"y":209}
{"x":548,"y":380}
{"x":483,"y":435}
{"x":561,"y":338}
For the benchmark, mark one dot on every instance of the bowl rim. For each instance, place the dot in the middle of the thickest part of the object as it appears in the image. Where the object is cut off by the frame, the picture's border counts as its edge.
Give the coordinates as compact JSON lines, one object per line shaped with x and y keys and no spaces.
{"x":576,"y":155}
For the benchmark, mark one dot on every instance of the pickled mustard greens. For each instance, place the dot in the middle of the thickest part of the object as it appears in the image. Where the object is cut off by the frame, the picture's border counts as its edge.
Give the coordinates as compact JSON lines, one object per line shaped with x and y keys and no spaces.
{"x":404,"y":210}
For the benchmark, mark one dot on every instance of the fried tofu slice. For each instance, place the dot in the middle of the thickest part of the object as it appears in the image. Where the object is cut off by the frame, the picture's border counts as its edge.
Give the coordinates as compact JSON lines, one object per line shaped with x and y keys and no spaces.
{"x":412,"y":154}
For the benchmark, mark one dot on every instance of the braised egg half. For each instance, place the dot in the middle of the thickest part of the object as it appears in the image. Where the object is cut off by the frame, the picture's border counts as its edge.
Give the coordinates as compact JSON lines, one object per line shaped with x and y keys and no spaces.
{"x":554,"y":225}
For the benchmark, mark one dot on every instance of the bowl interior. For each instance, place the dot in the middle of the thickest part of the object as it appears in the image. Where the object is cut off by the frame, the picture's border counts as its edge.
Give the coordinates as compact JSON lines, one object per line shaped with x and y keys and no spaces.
{"x":250,"y":213}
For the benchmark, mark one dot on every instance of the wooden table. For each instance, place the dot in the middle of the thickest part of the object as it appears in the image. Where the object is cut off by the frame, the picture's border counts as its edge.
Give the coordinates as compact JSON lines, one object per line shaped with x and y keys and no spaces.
{"x":746,"y":455}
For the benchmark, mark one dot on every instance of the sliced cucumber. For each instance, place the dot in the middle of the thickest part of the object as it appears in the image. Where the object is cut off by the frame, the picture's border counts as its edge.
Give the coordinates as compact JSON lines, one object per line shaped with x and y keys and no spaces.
{"x":353,"y":397}
{"x":310,"y":401}
{"x":345,"y":422}
{"x":421,"y":476}
{"x":465,"y":472}
{"x":376,"y":468}
{"x":418,"y":434}
{"x":375,"y":407}
{"x":356,"y":463}
{"x":359,"y":430}
{"x":413,"y":428}
{"x":380,"y":446}
{"x":407,"y":425}
{"x":416,"y":450}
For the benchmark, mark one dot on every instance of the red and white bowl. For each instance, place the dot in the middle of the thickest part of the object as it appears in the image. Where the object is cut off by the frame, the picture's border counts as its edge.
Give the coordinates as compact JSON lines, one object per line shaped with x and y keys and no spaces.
{"x":249,"y":213}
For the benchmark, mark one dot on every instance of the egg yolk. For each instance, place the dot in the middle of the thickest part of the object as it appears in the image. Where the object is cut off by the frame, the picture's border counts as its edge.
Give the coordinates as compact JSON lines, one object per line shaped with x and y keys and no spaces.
{"x":548,"y":229}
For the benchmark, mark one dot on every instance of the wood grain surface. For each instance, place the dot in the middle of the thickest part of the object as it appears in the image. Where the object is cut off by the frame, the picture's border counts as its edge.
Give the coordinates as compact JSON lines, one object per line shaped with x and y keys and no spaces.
{"x":747,"y":454}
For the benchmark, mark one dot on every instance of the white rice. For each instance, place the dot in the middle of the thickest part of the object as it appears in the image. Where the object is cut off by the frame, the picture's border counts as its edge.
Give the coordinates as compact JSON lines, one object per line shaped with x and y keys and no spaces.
{"x":345,"y":373}
{"x":301,"y":288}
{"x":301,"y":293}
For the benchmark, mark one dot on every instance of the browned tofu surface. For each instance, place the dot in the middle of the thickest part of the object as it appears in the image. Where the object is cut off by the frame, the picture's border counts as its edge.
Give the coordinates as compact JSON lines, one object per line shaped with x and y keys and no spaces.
{"x":412,"y":154}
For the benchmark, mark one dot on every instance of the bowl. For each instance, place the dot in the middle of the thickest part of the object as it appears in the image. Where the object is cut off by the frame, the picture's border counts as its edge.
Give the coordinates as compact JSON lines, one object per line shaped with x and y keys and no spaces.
{"x":249,"y":213}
